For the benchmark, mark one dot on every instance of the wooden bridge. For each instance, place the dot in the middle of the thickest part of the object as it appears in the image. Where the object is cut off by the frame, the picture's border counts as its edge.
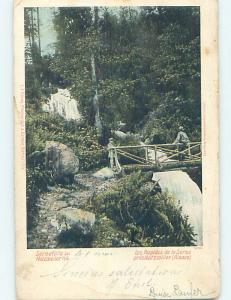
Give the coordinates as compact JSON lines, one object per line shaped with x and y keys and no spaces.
{"x":159,"y":157}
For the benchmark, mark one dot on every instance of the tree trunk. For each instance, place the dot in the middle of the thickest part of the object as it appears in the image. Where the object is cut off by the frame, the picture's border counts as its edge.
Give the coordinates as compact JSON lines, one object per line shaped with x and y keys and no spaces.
{"x":98,"y":123}
{"x":38,"y":24}
{"x":32,"y":26}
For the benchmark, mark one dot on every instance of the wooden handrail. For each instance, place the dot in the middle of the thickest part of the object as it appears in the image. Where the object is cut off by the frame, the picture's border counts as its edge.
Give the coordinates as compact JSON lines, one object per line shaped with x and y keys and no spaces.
{"x":170,"y":153}
{"x":151,"y":146}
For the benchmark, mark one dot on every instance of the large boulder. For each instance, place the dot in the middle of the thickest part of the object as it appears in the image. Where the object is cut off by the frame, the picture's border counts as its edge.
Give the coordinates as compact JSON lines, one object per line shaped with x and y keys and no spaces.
{"x":119,"y":135}
{"x":104,"y":173}
{"x":75,"y":218}
{"x":62,"y":160}
{"x":126,"y":137}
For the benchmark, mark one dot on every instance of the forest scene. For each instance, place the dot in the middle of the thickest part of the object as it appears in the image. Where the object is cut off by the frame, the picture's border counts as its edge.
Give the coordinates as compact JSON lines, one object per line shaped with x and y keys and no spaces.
{"x":113,"y":126}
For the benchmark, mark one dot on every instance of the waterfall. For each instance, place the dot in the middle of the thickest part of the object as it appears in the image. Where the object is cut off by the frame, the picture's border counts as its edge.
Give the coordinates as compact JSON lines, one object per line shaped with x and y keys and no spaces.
{"x":63,"y":104}
{"x":186,"y":193}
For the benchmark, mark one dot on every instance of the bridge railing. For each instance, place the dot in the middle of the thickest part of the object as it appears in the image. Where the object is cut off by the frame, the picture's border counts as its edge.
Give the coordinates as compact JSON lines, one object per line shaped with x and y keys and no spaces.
{"x":155,"y":154}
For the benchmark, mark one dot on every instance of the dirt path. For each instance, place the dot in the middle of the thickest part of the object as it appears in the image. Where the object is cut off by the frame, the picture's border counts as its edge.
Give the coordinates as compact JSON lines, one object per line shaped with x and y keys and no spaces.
{"x":44,"y":234}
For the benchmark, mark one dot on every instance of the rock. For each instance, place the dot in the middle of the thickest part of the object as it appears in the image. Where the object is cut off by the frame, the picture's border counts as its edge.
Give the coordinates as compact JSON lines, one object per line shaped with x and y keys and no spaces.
{"x":63,"y":161}
{"x":76,"y":218}
{"x":121,"y":125}
{"x":126,"y":137}
{"x":120,"y":134}
{"x":59,"y":205}
{"x":105,"y":173}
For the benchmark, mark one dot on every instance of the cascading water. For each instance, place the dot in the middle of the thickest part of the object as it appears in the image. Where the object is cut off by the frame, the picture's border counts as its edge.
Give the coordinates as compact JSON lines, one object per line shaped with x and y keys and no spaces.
{"x":187,"y":193}
{"x":63,"y":104}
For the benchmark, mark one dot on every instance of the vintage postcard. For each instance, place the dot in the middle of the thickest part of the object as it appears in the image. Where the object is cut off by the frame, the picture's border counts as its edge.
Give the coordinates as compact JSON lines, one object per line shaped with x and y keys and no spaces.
{"x":116,"y":149}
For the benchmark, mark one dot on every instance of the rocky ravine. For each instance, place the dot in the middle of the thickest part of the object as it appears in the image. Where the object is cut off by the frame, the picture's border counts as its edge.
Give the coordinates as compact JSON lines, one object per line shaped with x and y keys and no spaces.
{"x":61,"y":202}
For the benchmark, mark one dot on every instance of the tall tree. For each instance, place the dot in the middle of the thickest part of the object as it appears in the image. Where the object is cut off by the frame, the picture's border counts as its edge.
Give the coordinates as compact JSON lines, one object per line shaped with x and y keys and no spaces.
{"x":176,"y":65}
{"x":36,"y":68}
{"x":95,"y":31}
{"x":38,"y":26}
{"x":33,"y":57}
{"x":143,"y":62}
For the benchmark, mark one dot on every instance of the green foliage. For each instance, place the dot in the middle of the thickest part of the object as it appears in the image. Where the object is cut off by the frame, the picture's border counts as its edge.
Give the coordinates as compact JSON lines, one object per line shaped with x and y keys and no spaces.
{"x":42,"y":127}
{"x":147,"y":218}
{"x":107,"y":233}
{"x":147,"y":61}
{"x":82,"y":139}
{"x":37,"y":180}
{"x":75,"y":238}
{"x":147,"y":64}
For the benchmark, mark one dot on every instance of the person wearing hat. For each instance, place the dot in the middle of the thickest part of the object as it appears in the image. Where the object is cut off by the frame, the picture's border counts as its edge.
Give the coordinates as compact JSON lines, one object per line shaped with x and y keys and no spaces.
{"x":182,"y":141}
{"x":111,"y":153}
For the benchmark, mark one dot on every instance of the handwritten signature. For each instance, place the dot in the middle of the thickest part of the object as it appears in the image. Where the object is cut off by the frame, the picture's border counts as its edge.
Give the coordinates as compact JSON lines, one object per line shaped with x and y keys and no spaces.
{"x":177,"y":291}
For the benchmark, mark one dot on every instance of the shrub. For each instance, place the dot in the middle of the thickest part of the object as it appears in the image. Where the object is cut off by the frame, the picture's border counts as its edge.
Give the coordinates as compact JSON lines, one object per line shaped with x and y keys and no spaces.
{"x":37,"y":180}
{"x":81,"y":138}
{"x":148,"y":218}
{"x":42,"y":127}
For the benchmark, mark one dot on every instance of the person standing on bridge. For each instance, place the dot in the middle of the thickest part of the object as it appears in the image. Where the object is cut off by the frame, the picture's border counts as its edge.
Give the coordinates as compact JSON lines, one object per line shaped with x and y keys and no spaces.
{"x":181,"y":141}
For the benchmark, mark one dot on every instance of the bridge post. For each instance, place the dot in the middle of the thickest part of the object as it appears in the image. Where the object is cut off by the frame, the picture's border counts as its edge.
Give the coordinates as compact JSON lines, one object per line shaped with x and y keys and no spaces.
{"x":156,"y":161}
{"x":117,"y":164}
{"x":146,"y":154}
{"x":111,"y":157}
{"x":189,"y":150}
